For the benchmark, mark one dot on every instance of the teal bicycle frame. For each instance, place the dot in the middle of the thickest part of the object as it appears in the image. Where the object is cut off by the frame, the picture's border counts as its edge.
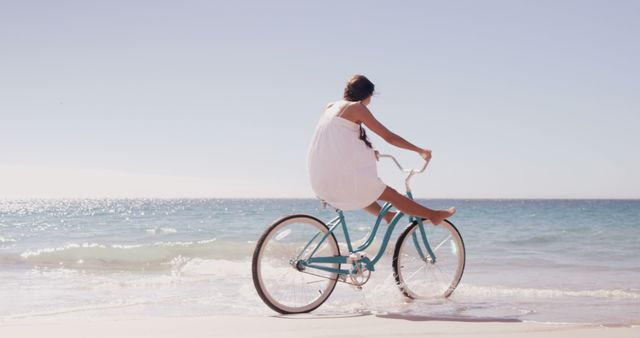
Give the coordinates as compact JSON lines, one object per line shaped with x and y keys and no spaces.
{"x":312,"y":261}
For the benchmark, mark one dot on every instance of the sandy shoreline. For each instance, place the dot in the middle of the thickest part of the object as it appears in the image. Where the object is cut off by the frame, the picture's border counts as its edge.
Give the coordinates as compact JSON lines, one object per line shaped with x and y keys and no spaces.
{"x":300,"y":326}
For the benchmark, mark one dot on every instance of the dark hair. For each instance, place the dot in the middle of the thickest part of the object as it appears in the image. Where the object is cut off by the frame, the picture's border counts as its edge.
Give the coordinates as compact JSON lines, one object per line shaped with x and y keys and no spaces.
{"x":359,"y":88}
{"x":364,"y":138}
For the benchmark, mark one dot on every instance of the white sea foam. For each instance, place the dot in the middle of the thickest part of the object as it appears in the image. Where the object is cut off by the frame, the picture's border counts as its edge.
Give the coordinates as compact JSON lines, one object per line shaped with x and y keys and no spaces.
{"x":465,"y":290}
{"x":156,"y":256}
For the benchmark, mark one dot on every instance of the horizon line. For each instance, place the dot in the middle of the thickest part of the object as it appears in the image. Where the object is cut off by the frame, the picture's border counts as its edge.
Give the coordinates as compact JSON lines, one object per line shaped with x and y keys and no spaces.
{"x":300,"y":198}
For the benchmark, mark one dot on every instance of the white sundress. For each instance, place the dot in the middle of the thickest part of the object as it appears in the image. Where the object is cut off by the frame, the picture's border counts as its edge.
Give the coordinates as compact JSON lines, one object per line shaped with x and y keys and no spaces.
{"x":342,"y":168}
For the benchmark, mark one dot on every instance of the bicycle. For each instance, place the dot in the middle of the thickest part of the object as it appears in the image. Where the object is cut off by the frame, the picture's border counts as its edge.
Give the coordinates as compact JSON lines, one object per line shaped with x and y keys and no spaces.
{"x":297,"y":262}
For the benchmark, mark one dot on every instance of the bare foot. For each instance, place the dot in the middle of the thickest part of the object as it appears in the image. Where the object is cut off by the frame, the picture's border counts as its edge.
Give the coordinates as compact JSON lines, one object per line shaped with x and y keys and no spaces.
{"x":388,"y":217}
{"x":440,"y":215}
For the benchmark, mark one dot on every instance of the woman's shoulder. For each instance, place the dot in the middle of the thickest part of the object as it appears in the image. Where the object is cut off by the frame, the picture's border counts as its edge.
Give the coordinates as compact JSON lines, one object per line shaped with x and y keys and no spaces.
{"x":352,"y":110}
{"x":338,"y":106}
{"x":355,"y":108}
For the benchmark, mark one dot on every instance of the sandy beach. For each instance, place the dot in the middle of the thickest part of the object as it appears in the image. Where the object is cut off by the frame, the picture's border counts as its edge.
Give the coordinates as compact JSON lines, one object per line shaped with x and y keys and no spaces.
{"x":301,"y":326}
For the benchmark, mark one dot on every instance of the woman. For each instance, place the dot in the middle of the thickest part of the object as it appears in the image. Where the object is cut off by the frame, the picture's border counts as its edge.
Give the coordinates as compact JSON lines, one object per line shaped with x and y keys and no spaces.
{"x":342,"y":162}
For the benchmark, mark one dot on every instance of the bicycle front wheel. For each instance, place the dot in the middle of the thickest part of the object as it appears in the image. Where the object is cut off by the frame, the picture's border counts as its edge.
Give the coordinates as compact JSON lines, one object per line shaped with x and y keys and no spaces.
{"x":417,"y":273}
{"x":281,"y":278}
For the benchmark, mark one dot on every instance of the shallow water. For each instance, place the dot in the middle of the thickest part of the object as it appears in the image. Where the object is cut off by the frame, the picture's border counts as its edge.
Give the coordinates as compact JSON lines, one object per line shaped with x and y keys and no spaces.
{"x":538,"y":260}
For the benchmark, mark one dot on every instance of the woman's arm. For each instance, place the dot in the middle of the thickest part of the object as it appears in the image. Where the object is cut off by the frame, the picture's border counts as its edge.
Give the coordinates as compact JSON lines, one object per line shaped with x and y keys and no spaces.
{"x":362,"y":114}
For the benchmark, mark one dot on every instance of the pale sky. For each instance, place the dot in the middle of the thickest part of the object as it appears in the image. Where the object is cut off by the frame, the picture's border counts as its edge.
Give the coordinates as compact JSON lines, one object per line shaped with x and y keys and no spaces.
{"x":517,"y":99}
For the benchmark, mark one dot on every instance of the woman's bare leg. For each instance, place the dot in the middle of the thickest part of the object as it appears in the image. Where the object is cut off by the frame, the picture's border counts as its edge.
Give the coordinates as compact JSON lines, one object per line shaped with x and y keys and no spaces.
{"x":374,"y":209}
{"x":410,"y":207}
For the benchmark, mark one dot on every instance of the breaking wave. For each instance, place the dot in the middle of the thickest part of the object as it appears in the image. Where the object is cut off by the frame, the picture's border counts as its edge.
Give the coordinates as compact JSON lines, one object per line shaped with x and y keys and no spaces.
{"x":155,"y":256}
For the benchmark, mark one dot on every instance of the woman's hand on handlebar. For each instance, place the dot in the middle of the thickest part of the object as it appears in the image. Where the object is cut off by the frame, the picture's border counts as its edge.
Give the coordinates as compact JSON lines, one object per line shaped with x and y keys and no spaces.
{"x":425,"y":153}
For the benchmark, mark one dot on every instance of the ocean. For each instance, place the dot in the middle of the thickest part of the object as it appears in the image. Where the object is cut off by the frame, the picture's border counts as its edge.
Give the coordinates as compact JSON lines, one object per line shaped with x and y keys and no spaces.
{"x":559,"y":261}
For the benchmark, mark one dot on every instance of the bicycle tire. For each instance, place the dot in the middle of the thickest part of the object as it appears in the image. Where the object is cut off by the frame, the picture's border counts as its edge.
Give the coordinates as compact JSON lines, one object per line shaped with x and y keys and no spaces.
{"x":280,"y":292}
{"x":419,"y":278}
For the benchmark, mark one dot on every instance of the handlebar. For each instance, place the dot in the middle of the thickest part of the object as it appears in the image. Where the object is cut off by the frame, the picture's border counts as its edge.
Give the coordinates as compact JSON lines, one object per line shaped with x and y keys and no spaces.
{"x":411,"y":172}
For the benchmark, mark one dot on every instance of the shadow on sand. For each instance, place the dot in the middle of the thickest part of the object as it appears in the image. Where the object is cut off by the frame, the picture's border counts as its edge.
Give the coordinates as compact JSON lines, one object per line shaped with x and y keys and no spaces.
{"x":470,"y":319}
{"x":400,"y":316}
{"x":324,"y":315}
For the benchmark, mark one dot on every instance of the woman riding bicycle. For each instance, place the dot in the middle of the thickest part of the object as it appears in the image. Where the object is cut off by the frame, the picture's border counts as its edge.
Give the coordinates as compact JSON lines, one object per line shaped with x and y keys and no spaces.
{"x":342,"y":163}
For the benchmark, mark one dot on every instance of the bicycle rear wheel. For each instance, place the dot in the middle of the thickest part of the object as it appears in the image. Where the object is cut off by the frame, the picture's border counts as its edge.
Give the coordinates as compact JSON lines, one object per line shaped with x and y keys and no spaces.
{"x":283,"y":283}
{"x":417,"y":274}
